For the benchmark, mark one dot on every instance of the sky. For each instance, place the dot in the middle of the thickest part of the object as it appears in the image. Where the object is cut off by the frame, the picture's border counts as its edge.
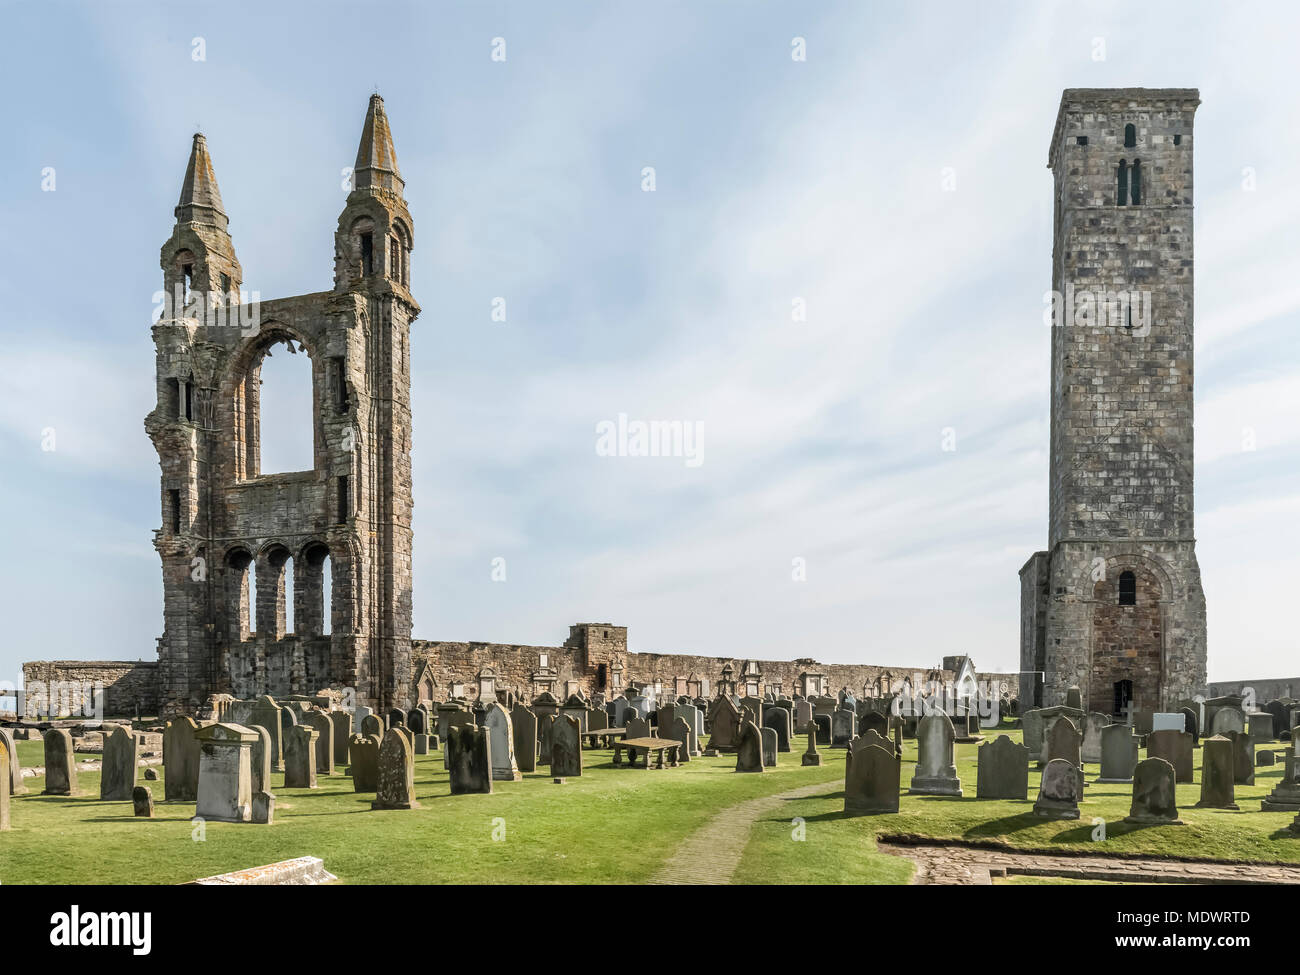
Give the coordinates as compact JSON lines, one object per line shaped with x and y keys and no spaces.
{"x":892,"y":185}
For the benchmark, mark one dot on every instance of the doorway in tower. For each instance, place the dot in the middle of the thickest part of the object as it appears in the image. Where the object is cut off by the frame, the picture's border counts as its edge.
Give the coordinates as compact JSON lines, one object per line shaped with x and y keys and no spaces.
{"x":1127,"y":642}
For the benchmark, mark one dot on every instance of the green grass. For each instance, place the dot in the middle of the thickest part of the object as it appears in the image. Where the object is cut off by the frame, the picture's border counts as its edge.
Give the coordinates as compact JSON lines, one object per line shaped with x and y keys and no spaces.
{"x":841,"y":846}
{"x":609,"y":826}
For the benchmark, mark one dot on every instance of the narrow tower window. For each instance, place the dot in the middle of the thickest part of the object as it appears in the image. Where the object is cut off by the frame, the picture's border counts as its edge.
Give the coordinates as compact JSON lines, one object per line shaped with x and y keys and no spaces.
{"x":367,"y":253}
{"x":1130,"y":136}
{"x":174,"y":506}
{"x":1127,"y":589}
{"x":1122,"y":175}
{"x":343,"y":499}
{"x":189,"y":398}
{"x":1135,"y":183}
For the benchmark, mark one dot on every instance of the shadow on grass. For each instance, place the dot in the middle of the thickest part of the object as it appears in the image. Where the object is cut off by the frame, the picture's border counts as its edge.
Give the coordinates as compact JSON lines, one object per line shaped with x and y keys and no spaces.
{"x":1001,"y":827}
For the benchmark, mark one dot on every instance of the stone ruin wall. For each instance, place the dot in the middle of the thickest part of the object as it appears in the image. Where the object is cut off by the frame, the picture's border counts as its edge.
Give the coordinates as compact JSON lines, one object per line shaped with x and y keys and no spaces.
{"x":128,"y":684}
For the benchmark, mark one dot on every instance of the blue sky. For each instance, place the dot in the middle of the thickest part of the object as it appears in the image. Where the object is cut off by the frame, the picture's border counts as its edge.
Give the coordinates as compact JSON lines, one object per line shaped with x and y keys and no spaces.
{"x":821,"y":180}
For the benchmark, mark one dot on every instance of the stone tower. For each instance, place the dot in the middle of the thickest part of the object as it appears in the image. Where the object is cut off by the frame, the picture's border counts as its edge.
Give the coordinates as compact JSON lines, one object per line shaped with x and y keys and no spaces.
{"x":222,"y":519}
{"x":1115,"y":604}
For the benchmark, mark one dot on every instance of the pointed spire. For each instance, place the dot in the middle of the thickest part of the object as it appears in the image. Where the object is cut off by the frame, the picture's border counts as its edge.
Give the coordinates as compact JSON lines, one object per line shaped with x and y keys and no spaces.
{"x":376,"y":163}
{"x":200,"y":198}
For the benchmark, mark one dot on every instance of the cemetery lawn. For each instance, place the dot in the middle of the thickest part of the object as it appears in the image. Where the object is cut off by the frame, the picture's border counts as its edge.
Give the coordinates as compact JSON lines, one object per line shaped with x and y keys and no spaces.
{"x":609,"y":826}
{"x":835,"y":844}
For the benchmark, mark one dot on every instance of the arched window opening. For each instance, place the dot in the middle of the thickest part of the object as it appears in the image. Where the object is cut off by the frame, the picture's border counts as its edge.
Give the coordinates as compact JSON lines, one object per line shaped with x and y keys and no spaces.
{"x":1130,"y":136}
{"x":188,"y":389}
{"x":1127,"y":589}
{"x":286,"y":421}
{"x":241,"y":594}
{"x":289,"y":589}
{"x":314,"y":592}
{"x":1135,"y":183}
{"x":271,"y":615}
{"x":1122,"y":178}
{"x":250,"y":599}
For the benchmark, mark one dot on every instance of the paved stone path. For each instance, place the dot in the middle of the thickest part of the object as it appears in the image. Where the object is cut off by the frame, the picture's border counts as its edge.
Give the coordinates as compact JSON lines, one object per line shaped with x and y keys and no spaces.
{"x":711,"y":854}
{"x":955,"y":863}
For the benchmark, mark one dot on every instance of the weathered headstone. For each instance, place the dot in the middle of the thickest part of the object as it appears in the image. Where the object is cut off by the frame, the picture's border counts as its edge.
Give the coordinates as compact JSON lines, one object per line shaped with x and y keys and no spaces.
{"x":1168,"y":721}
{"x":1285,"y":796}
{"x":60,"y":764}
{"x":872,"y":780}
{"x":16,"y":784}
{"x":803,"y":712}
{"x":417,"y":721}
{"x":844,"y":728}
{"x":1227,"y":719}
{"x":324,"y":727}
{"x":1119,"y":753}
{"x":1175,"y":747}
{"x":497,"y":722}
{"x":372,"y":726}
{"x":523,"y":724}
{"x":694,"y":718}
{"x":1093,"y":726}
{"x":1154,"y":795}
{"x":142,"y":801}
{"x":1260,"y":726}
{"x":754,"y":708}
{"x":1243,"y":757}
{"x":181,"y":760}
{"x":566,"y":747}
{"x":300,"y":757}
{"x":936,"y":773}
{"x":778,"y":719}
{"x":265,"y":713}
{"x":396,"y":785}
{"x":1031,"y":725}
{"x":363,"y":759}
{"x":342,"y":721}
{"x":8,"y":758}
{"x":811,"y":756}
{"x":770,"y":745}
{"x":749,"y":747}
{"x":120,"y":765}
{"x":1065,"y":742}
{"x":259,"y":758}
{"x":680,"y":731}
{"x":1191,"y":724}
{"x":469,"y":759}
{"x":395,"y":717}
{"x":225,"y":792}
{"x":874,"y":721}
{"x":1216,"y":773}
{"x":1059,"y":792}
{"x":263,"y":808}
{"x":823,"y":722}
{"x":1074,"y":698}
{"x":1003,"y":770}
{"x":638,"y":728}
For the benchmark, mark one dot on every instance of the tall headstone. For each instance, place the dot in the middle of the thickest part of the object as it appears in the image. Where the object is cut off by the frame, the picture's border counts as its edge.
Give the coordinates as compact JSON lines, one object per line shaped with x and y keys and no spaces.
{"x":803,"y":712}
{"x":823,"y":723}
{"x":1059,"y":792}
{"x":875,"y":721}
{"x":1175,"y":747}
{"x":1260,"y":726}
{"x":1065,"y":742}
{"x":566,"y":747}
{"x":778,"y":719}
{"x":811,"y":756}
{"x":469,"y":759}
{"x":1003,"y":770}
{"x":267,"y":713}
{"x":342,"y":733}
{"x":259,"y":758}
{"x":1216,"y":774}
{"x":225,"y":791}
{"x":300,"y":757}
{"x":8,"y":758}
{"x":320,"y":722}
{"x":372,"y":726}
{"x":60,"y":764}
{"x":523,"y":725}
{"x":694,"y":717}
{"x":936,"y":772}
{"x":180,"y":760}
{"x":1227,"y":719}
{"x":363,"y":759}
{"x":396,"y":785}
{"x":1191,"y":724}
{"x":1074,"y":698}
{"x":497,"y":722}
{"x":1285,"y":796}
{"x":1119,"y":753}
{"x":120,"y":766}
{"x":680,"y":731}
{"x":872,"y":780}
{"x":844,"y":727}
{"x":142,"y":801}
{"x":16,"y":784}
{"x":1093,"y":725}
{"x":1243,"y":757}
{"x":749,"y":747}
{"x":770,"y":744}
{"x":1154,"y":795}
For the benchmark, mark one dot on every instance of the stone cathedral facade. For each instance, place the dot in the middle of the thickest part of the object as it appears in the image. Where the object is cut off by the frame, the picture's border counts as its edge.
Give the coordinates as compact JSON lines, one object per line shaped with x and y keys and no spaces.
{"x":350,"y":515}
{"x":1115,"y":604}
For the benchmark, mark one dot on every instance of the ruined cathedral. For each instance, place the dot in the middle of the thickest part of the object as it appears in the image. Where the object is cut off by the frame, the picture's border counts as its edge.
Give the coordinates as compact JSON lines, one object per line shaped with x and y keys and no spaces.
{"x":1114,"y":606}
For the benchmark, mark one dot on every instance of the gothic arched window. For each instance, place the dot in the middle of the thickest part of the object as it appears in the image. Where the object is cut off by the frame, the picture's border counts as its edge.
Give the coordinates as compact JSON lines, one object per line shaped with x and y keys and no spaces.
{"x":1127,"y":589}
{"x":1130,"y":136}
{"x":1122,"y":178}
{"x":1135,"y":183}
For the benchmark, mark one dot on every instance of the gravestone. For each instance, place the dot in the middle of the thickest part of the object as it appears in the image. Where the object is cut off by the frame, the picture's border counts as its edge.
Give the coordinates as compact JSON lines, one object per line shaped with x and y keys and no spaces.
{"x":372,"y":726}
{"x":8,"y":759}
{"x":300,"y":757}
{"x":16,"y":785}
{"x":1243,"y":757}
{"x":359,"y":714}
{"x":1285,"y":796}
{"x":417,"y":721}
{"x":770,"y":744}
{"x":342,"y":733}
{"x":1093,"y":725}
{"x":597,"y":719}
{"x":181,"y":760}
{"x":363,"y":759}
{"x":823,"y":722}
{"x":263,"y":808}
{"x":875,"y":721}
{"x":680,"y":731}
{"x":320,"y":722}
{"x":396,"y":779}
{"x":1216,"y":773}
{"x":225,"y":792}
{"x":1003,"y":770}
{"x":617,"y":710}
{"x":1065,"y":742}
{"x":60,"y":764}
{"x":749,"y":747}
{"x":1175,"y":747}
{"x":1263,"y":758}
{"x":469,"y":759}
{"x":259,"y":758}
{"x":1260,"y":727}
{"x":754,"y":707}
{"x":1191,"y":725}
{"x":803,"y":712}
{"x":694,"y":718}
{"x":1168,"y":721}
{"x":1059,"y":792}
{"x":638,"y":728}
{"x":544,"y":724}
{"x":1031,"y":725}
{"x":421,"y":746}
{"x":1227,"y":719}
{"x":1154,"y":794}
{"x":120,"y":766}
{"x":844,"y":728}
{"x":1050,"y":716}
{"x":266,"y":713}
{"x":497,"y":723}
{"x":1119,"y":754}
{"x":1074,"y":698}
{"x":575,"y":707}
{"x":778,"y":719}
{"x":872,"y":779}
{"x":395,"y":717}
{"x":523,"y":724}
{"x":142,"y":802}
{"x":811,"y":756}
{"x":566,"y":747}
{"x":936,"y":773}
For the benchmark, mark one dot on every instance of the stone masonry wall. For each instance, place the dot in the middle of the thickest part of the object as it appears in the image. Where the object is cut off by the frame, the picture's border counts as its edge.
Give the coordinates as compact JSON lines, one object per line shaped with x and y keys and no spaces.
{"x":130,"y":687}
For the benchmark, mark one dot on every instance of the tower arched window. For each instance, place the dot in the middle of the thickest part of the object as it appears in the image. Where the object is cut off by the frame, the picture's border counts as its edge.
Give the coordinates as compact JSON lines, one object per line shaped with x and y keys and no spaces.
{"x":1130,"y":136}
{"x":1127,"y":589}
{"x":1121,"y":175}
{"x":1135,"y":183}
